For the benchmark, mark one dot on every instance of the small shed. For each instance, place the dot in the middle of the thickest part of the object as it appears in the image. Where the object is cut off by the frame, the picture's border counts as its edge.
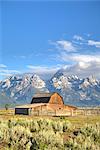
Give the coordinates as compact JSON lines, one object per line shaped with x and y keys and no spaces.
{"x":45,"y":104}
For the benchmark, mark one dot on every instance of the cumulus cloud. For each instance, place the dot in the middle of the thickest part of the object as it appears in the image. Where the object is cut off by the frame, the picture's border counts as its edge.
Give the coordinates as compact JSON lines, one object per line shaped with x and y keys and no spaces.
{"x":82,"y":65}
{"x":77,"y":37}
{"x":84,"y":69}
{"x":94,"y":43}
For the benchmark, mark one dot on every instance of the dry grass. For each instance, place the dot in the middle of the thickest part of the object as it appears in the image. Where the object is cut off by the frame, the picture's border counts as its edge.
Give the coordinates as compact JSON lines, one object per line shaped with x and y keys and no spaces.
{"x":50,"y":132}
{"x":76,"y":120}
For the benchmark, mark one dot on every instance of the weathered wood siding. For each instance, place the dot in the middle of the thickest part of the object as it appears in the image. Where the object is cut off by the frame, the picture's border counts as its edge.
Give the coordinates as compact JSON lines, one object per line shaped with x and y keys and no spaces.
{"x":56,"y":99}
{"x":51,"y":112}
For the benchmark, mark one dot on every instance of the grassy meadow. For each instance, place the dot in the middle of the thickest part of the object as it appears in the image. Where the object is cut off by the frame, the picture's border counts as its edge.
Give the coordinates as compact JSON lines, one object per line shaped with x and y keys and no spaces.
{"x":18,"y":132}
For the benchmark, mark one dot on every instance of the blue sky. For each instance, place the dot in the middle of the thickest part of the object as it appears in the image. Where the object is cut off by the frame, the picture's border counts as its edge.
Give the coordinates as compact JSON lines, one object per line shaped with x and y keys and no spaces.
{"x":44,"y":36}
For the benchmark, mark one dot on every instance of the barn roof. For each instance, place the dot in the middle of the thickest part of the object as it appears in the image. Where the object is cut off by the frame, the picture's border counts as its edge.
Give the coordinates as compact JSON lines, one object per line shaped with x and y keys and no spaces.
{"x":41,"y":98}
{"x":30,"y":105}
{"x":70,"y":106}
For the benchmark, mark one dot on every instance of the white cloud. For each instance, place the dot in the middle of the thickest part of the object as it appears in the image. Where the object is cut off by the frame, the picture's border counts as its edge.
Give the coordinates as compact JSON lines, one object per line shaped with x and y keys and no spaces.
{"x":94,"y":43}
{"x":2,"y":66}
{"x":43,"y":69}
{"x":77,"y":37}
{"x":82,"y":65}
{"x":79,"y":57}
{"x":84,"y":69}
{"x":66,"y":45}
{"x":85,"y":58}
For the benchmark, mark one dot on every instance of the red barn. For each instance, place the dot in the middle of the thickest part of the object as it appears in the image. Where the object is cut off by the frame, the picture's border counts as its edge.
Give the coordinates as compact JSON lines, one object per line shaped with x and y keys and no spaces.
{"x":46,"y":104}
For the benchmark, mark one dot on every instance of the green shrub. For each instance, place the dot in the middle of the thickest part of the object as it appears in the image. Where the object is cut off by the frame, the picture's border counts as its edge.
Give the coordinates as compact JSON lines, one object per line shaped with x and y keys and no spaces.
{"x":4,"y":132}
{"x":48,"y":134}
{"x":45,"y":139}
{"x":57,"y":126}
{"x":87,"y":139}
{"x":66,"y":125}
{"x":19,"y":137}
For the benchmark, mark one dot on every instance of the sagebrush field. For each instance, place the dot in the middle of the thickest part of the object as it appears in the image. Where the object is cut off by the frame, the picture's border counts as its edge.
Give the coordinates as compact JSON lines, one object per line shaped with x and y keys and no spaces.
{"x":49,"y":133}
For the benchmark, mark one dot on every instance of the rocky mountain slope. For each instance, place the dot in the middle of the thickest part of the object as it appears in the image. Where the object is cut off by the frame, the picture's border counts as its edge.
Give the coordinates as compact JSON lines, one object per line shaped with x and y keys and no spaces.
{"x":76,"y":91}
{"x":19,"y":89}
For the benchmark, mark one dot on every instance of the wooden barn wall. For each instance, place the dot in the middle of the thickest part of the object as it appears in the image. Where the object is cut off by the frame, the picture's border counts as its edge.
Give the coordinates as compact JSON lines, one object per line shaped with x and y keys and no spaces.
{"x":49,"y":111}
{"x":64,"y":112}
{"x":56,"y":99}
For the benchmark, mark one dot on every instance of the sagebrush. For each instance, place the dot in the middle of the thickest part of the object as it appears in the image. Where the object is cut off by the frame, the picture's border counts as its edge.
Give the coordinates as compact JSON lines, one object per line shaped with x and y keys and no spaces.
{"x":48,"y":134}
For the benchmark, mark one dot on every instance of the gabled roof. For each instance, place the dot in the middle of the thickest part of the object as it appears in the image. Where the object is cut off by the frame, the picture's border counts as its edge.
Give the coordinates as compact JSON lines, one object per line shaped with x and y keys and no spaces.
{"x":41,"y":98}
{"x":70,"y":106}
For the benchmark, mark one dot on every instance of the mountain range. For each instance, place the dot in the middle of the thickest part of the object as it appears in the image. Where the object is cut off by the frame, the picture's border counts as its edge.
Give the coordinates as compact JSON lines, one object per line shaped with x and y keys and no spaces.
{"x":19,"y":89}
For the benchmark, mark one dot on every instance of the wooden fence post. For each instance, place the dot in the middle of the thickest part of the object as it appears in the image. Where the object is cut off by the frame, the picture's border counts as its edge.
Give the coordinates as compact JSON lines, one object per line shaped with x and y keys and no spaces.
{"x":71,"y":112}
